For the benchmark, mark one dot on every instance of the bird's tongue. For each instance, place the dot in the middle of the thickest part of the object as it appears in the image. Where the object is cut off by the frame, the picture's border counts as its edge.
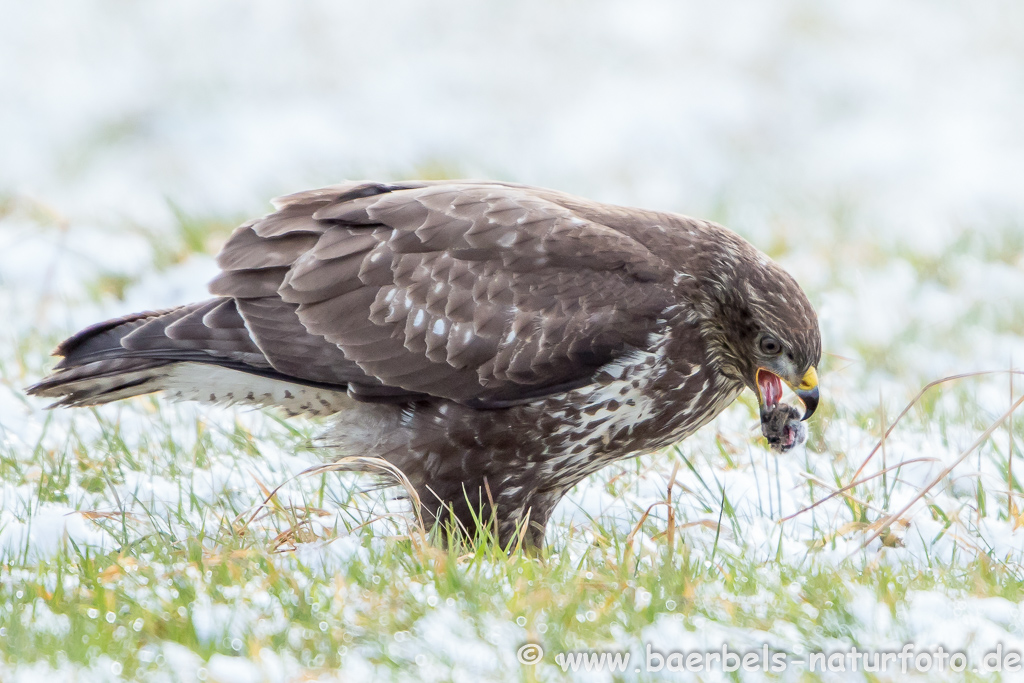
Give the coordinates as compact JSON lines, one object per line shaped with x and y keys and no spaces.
{"x":770,"y":386}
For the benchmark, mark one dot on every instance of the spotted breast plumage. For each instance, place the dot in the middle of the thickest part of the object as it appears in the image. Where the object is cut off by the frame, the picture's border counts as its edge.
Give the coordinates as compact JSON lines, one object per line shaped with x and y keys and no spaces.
{"x":495,"y":342}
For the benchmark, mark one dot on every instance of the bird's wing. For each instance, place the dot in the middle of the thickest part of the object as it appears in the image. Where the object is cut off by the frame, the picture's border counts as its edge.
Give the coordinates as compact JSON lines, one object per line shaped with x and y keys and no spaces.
{"x":481,"y":293}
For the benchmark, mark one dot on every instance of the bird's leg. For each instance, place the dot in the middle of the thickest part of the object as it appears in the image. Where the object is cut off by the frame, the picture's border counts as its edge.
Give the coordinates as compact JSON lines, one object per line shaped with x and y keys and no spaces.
{"x":502,"y":514}
{"x":459,"y":513}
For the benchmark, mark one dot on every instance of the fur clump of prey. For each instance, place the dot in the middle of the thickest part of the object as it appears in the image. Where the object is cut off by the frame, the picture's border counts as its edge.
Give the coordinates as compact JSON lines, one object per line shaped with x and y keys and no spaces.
{"x":782,"y":427}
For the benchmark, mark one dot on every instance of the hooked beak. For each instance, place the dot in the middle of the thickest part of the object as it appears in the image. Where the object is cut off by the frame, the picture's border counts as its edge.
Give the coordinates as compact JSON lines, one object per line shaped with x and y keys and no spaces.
{"x":807,"y":391}
{"x":769,"y":389}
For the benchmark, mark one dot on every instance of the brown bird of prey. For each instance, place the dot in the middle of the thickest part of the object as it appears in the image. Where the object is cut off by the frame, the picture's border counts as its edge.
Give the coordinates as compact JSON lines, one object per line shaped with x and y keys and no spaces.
{"x":496,"y":342}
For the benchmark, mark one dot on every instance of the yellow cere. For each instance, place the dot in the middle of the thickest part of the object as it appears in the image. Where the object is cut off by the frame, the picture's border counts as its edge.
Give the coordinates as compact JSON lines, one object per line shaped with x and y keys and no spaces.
{"x":809,"y":380}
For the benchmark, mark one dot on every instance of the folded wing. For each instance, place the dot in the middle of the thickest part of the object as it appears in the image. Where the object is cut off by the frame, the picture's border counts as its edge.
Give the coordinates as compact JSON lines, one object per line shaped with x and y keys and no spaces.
{"x":482,"y":293}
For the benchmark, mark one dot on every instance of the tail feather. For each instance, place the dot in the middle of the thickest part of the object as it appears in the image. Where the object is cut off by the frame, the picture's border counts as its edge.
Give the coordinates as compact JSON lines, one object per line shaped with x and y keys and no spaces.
{"x":102,"y":381}
{"x":131,"y":356}
{"x":102,"y":339}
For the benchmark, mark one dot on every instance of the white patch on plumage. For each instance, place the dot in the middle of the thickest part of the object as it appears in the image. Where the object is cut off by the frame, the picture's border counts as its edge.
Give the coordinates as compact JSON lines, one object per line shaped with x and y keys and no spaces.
{"x":634,"y":404}
{"x":214,"y":384}
{"x":623,"y":403}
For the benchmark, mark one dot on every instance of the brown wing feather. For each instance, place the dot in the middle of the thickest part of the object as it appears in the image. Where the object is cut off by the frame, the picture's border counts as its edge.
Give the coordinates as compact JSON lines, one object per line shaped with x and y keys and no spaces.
{"x":482,"y":293}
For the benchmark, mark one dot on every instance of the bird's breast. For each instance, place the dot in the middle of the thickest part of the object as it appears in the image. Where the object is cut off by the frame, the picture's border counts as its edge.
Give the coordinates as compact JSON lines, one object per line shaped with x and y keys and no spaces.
{"x":644,"y":401}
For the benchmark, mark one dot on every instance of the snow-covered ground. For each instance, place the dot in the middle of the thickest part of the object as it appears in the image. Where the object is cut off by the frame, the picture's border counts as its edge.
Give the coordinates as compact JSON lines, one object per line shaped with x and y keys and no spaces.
{"x":875,"y":149}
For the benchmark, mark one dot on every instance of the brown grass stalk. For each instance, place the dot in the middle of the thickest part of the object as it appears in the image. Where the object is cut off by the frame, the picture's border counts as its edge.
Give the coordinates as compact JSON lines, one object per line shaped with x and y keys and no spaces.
{"x":881,"y":525}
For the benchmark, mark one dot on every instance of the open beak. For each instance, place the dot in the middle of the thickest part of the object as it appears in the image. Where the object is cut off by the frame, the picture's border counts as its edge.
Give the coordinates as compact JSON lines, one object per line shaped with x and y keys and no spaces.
{"x":769,"y":389}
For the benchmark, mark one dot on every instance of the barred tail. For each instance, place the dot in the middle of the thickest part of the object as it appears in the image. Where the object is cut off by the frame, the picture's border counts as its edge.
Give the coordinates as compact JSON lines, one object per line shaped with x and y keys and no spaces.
{"x":135,"y":354}
{"x":102,"y":381}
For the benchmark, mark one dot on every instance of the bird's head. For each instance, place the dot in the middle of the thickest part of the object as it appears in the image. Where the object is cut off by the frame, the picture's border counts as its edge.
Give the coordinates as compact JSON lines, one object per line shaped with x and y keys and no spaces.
{"x":767,"y":328}
{"x":776,"y":365}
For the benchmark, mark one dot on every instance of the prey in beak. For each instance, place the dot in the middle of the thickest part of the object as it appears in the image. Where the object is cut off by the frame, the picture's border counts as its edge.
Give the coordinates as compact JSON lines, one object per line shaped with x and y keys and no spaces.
{"x":769,"y":386}
{"x":781,"y":424}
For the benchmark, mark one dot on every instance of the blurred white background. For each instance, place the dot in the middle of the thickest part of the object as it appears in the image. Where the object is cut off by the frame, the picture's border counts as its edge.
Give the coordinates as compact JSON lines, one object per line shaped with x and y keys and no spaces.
{"x":747,"y":111}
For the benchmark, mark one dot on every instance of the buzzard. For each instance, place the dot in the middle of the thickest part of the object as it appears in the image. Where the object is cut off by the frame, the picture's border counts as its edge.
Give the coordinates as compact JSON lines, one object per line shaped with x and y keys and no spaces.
{"x":495,"y":342}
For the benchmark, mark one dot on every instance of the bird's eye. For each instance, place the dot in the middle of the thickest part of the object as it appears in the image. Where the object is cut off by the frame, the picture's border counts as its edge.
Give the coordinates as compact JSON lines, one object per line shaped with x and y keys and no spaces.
{"x":770,"y":346}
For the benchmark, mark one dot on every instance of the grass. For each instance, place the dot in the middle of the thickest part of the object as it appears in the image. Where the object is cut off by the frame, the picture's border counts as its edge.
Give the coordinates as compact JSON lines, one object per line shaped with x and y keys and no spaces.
{"x":135,"y":543}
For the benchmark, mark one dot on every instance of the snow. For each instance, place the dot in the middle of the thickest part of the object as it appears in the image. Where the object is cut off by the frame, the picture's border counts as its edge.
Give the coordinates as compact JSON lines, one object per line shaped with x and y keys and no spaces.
{"x":676,"y":105}
{"x":47,"y":531}
{"x":224,"y":669}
